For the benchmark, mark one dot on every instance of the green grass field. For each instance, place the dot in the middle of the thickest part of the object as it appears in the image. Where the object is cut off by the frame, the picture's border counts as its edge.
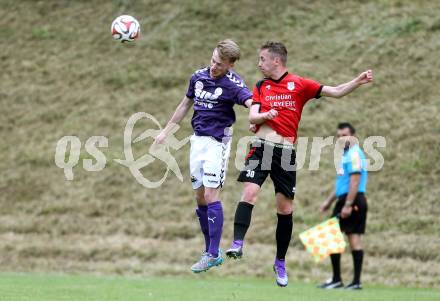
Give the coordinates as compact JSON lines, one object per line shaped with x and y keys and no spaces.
{"x":92,"y":288}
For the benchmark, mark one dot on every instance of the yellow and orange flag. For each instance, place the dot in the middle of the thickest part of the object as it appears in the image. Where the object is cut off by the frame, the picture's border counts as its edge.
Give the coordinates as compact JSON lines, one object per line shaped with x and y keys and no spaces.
{"x":323,"y":239}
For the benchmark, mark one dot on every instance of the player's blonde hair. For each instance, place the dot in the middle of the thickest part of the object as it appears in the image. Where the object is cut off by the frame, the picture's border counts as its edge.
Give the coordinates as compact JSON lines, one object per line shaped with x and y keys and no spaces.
{"x":228,"y":50}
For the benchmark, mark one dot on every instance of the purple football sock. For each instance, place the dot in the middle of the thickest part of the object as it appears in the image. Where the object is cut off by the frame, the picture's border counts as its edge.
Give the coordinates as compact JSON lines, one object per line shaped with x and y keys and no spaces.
{"x":237,"y":243}
{"x":202,"y":213}
{"x":215,"y":222}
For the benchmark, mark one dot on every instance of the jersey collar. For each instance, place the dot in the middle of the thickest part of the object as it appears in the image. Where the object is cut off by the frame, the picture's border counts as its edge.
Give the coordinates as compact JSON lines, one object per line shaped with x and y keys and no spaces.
{"x":280,"y":79}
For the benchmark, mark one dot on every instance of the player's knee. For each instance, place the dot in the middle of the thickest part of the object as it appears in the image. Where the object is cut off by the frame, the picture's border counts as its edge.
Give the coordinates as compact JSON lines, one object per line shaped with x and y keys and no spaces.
{"x":249,"y":196}
{"x":355,"y":247}
{"x":285,"y":209}
{"x":354,"y":241}
{"x":200,"y":198}
{"x":210,"y":195}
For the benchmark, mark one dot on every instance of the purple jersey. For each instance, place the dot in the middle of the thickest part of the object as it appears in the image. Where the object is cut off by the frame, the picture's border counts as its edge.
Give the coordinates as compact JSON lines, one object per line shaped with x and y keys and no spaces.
{"x":214,"y":100}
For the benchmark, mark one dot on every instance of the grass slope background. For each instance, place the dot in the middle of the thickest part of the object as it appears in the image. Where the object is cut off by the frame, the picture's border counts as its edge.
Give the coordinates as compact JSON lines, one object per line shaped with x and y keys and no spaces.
{"x":62,"y":74}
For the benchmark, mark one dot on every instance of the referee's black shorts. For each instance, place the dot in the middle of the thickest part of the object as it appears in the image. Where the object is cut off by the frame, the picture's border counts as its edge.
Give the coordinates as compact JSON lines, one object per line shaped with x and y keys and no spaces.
{"x":356,"y":222}
{"x":277,"y":160}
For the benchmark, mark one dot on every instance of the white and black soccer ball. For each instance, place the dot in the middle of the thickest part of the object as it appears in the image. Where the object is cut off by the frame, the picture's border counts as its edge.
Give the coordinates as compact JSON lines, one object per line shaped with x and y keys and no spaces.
{"x":125,"y":28}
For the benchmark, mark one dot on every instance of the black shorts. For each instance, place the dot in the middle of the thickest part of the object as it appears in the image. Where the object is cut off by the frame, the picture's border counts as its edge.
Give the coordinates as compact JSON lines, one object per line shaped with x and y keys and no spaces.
{"x":277,"y":160}
{"x":356,"y":222}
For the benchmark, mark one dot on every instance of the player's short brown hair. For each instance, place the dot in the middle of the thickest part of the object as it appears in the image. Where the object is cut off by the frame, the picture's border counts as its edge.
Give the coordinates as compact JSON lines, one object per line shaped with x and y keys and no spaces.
{"x":276,"y":48}
{"x":228,"y":50}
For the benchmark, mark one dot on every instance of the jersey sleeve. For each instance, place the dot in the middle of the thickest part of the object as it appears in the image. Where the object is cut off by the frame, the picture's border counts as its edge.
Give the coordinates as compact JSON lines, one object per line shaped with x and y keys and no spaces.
{"x":256,"y":96}
{"x":243,"y":94}
{"x":354,"y":165}
{"x":190,"y":91}
{"x":312,"y":89}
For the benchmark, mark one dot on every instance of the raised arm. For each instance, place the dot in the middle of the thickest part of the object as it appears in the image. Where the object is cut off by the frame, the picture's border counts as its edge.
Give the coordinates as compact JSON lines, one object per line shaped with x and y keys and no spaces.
{"x":348,"y":87}
{"x":179,"y":114}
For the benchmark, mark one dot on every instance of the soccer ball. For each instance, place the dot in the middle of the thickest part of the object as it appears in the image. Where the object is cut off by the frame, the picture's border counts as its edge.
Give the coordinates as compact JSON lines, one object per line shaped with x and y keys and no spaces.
{"x":125,"y":28}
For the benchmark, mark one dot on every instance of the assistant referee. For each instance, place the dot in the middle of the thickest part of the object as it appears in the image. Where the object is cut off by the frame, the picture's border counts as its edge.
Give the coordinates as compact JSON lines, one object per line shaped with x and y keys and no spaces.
{"x":351,"y":205}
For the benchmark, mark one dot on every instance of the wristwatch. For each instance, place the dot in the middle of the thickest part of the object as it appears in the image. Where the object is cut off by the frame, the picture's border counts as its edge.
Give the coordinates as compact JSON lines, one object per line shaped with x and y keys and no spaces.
{"x":348,"y":203}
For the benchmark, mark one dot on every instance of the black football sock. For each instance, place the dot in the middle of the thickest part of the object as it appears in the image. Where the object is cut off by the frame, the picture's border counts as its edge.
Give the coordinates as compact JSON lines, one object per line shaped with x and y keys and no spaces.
{"x":242,"y":220}
{"x":336,"y":265}
{"x":283,"y":234}
{"x":358,"y":257}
